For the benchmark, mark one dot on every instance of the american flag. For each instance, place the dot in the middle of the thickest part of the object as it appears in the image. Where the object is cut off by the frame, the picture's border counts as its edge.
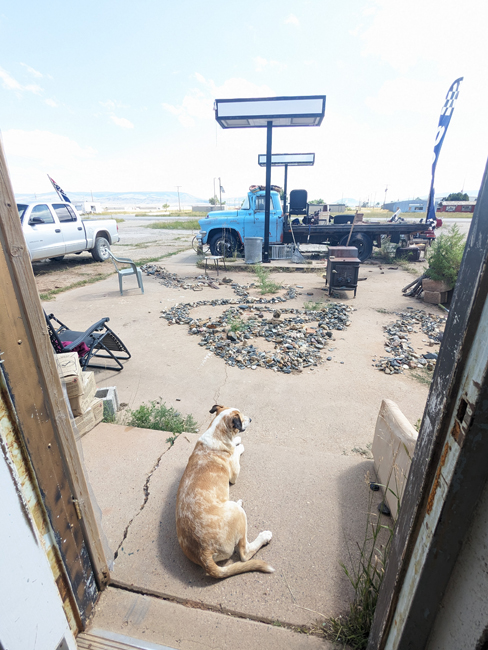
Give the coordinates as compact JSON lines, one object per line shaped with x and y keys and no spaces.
{"x":62,"y":195}
{"x":444,"y":120}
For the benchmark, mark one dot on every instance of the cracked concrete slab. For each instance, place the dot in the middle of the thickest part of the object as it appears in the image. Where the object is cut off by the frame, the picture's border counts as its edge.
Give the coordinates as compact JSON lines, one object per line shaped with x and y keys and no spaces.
{"x":184,"y":628}
{"x":119,"y":460}
{"x":315,"y":504}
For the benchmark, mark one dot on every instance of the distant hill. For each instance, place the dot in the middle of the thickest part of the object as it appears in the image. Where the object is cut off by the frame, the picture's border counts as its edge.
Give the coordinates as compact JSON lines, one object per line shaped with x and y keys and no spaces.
{"x":117,"y":198}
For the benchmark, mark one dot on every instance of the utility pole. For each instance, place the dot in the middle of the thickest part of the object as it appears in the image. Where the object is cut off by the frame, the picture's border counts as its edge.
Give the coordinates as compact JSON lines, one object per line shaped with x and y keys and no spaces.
{"x":214,"y":195}
{"x":386,"y":190}
{"x":178,"y":190}
{"x":220,"y":191}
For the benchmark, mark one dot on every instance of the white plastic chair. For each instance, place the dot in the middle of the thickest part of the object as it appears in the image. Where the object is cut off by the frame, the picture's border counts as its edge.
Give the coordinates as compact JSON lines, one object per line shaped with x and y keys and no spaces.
{"x":132,"y":270}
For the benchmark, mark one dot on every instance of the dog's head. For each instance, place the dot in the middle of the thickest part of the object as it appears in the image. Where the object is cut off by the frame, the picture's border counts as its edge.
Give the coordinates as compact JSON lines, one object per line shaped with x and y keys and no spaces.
{"x":231,"y":422}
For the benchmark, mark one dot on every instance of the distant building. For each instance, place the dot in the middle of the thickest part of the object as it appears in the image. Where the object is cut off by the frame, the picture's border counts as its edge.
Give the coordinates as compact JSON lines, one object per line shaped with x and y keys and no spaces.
{"x":337,"y":207}
{"x":411,"y":205}
{"x":456,"y":206}
{"x":86,"y":207}
{"x":206,"y":207}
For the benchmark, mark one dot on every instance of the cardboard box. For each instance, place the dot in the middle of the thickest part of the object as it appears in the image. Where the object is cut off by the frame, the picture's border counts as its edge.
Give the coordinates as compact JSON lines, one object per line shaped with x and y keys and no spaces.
{"x":85,"y":423}
{"x":81,"y":403}
{"x":92,"y":416}
{"x":70,"y":373}
{"x":68,"y":364}
{"x":97,"y":408}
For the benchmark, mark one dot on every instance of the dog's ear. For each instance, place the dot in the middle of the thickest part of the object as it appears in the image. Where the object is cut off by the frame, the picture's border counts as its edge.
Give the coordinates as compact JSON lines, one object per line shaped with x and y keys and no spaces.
{"x":237,"y":424}
{"x":215,"y":408}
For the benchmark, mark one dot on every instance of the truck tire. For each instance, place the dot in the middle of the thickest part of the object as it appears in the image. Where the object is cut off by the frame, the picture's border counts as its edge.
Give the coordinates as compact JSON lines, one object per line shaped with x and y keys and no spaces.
{"x":100,"y":250}
{"x":362,"y":242}
{"x":225,"y":244}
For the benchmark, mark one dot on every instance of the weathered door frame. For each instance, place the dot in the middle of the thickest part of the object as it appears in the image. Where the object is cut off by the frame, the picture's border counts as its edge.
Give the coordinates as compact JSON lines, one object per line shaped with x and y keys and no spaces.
{"x":43,"y":420}
{"x":449,"y":469}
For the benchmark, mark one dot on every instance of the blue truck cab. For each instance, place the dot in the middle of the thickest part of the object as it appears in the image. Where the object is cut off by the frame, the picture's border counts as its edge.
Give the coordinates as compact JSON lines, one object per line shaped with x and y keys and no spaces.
{"x":224,"y":231}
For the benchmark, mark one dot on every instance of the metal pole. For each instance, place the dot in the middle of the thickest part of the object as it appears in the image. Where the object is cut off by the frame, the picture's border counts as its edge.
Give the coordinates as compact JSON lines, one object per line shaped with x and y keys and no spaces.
{"x":214,"y":195}
{"x":267,"y":196}
{"x":179,"y":204}
{"x":285,"y":189}
{"x":220,"y":191}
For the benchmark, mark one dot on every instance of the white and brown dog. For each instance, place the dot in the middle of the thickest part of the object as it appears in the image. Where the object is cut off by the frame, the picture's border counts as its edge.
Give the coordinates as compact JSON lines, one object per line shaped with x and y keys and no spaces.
{"x":208,"y":525}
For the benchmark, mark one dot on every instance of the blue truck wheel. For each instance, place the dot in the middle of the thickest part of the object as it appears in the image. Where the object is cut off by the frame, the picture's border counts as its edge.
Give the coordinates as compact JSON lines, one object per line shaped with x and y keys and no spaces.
{"x":224,"y":244}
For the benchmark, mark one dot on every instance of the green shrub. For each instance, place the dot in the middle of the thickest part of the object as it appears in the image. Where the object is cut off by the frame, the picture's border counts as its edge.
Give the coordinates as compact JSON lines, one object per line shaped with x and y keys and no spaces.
{"x":156,"y":415}
{"x":265,"y":284}
{"x":445,"y":256}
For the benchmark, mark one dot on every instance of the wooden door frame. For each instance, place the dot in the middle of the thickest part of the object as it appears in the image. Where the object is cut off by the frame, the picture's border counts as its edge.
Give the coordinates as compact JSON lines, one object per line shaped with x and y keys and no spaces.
{"x":43,"y":420}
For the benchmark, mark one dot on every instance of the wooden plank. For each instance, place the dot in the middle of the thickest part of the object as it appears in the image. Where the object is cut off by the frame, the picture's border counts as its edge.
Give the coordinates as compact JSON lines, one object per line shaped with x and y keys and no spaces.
{"x":36,"y":392}
{"x":468,"y":302}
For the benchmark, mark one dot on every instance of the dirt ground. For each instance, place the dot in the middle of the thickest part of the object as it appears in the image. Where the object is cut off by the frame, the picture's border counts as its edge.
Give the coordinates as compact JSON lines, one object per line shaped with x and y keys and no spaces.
{"x":137,"y":243}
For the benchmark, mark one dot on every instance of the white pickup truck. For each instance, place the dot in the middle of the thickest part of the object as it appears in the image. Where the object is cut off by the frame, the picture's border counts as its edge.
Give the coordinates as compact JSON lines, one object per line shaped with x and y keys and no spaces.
{"x":52,"y":230}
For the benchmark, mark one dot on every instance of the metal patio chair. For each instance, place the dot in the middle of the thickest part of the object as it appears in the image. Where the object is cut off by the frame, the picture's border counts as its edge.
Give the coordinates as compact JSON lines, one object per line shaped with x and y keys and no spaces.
{"x":98,"y":341}
{"x":122,"y":273}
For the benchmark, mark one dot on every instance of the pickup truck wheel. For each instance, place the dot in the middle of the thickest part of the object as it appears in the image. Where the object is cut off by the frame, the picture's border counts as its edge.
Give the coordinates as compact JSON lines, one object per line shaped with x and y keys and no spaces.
{"x":60,"y":258}
{"x":100,"y":250}
{"x":224,"y":244}
{"x":362,"y":242}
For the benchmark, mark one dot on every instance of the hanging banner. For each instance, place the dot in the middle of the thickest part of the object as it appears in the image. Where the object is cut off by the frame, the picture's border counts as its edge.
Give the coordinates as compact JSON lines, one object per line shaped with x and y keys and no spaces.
{"x":445,"y":118}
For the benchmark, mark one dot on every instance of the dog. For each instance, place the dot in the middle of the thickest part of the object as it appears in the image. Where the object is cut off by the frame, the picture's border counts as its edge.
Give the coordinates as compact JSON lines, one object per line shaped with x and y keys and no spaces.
{"x":208,"y":525}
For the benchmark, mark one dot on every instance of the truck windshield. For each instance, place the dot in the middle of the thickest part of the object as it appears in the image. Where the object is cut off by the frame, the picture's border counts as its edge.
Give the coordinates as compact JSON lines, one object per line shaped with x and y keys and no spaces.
{"x":21,"y":208}
{"x":245,"y":204}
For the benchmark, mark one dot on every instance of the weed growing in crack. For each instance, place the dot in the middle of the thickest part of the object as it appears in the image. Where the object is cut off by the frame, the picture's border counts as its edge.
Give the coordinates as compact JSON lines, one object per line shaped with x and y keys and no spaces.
{"x":156,"y":415}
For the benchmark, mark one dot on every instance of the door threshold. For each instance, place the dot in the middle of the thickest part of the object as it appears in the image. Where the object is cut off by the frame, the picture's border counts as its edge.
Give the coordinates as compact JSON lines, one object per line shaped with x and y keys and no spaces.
{"x":97,"y":639}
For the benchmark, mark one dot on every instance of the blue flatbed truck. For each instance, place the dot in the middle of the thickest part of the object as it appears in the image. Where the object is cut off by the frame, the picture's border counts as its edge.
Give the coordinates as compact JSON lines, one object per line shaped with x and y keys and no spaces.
{"x":224,"y":231}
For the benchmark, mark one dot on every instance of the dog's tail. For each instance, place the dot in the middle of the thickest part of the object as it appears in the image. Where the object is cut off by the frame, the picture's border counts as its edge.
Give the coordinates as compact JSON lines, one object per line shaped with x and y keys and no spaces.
{"x":216,"y":571}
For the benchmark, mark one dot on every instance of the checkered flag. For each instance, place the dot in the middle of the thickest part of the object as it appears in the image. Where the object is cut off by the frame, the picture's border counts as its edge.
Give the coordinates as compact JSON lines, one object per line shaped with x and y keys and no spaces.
{"x":444,"y":120}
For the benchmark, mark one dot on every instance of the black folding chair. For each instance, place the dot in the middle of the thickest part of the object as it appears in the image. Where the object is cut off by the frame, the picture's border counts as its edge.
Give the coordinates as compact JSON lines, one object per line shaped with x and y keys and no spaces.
{"x":98,"y":341}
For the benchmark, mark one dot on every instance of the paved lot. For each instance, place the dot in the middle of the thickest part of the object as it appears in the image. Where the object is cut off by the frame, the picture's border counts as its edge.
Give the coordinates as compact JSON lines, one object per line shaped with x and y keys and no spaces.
{"x":304,"y":471}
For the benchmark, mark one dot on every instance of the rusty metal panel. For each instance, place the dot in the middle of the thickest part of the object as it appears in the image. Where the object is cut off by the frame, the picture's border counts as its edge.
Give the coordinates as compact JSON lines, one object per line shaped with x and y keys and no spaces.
{"x":33,"y":505}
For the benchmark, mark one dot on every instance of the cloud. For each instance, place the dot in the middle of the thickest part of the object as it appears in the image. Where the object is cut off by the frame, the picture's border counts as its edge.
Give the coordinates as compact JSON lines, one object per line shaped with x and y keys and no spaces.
{"x":122,"y":122}
{"x":405,"y":94}
{"x":10,"y":83}
{"x":34,"y":73}
{"x":112,"y":104}
{"x":44,"y":146}
{"x":292,"y":20}
{"x":417,"y":32}
{"x":198,"y":102}
{"x":51,"y":102}
{"x":261,"y":64}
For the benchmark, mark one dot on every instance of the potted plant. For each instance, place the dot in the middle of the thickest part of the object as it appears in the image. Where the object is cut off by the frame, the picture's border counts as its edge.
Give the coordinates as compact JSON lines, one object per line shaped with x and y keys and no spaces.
{"x":444,"y":258}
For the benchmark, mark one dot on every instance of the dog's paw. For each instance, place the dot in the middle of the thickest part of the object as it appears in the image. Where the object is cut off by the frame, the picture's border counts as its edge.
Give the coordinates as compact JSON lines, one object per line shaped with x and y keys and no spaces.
{"x":239,"y":502}
{"x":266,"y":535}
{"x":237,"y":441}
{"x":240,"y":449}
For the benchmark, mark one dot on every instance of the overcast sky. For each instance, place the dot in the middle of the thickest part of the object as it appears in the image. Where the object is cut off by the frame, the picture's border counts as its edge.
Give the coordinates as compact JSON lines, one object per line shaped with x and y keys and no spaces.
{"x":118,"y":96}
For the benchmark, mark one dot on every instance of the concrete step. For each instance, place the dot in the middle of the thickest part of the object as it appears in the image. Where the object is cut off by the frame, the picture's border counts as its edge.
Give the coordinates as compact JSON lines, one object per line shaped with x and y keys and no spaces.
{"x":151,"y":623}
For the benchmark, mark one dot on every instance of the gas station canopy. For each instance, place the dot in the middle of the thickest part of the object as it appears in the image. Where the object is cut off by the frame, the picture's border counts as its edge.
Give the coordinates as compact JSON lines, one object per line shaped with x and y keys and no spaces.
{"x":280,"y":111}
{"x":291,"y":159}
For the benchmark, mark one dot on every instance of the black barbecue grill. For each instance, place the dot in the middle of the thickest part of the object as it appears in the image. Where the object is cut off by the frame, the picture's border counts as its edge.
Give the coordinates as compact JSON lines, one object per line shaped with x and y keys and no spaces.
{"x":342,"y":268}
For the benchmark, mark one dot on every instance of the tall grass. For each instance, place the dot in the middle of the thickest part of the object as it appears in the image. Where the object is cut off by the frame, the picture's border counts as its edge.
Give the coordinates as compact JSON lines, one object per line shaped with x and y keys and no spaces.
{"x":366,"y":577}
{"x":191,"y":224}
